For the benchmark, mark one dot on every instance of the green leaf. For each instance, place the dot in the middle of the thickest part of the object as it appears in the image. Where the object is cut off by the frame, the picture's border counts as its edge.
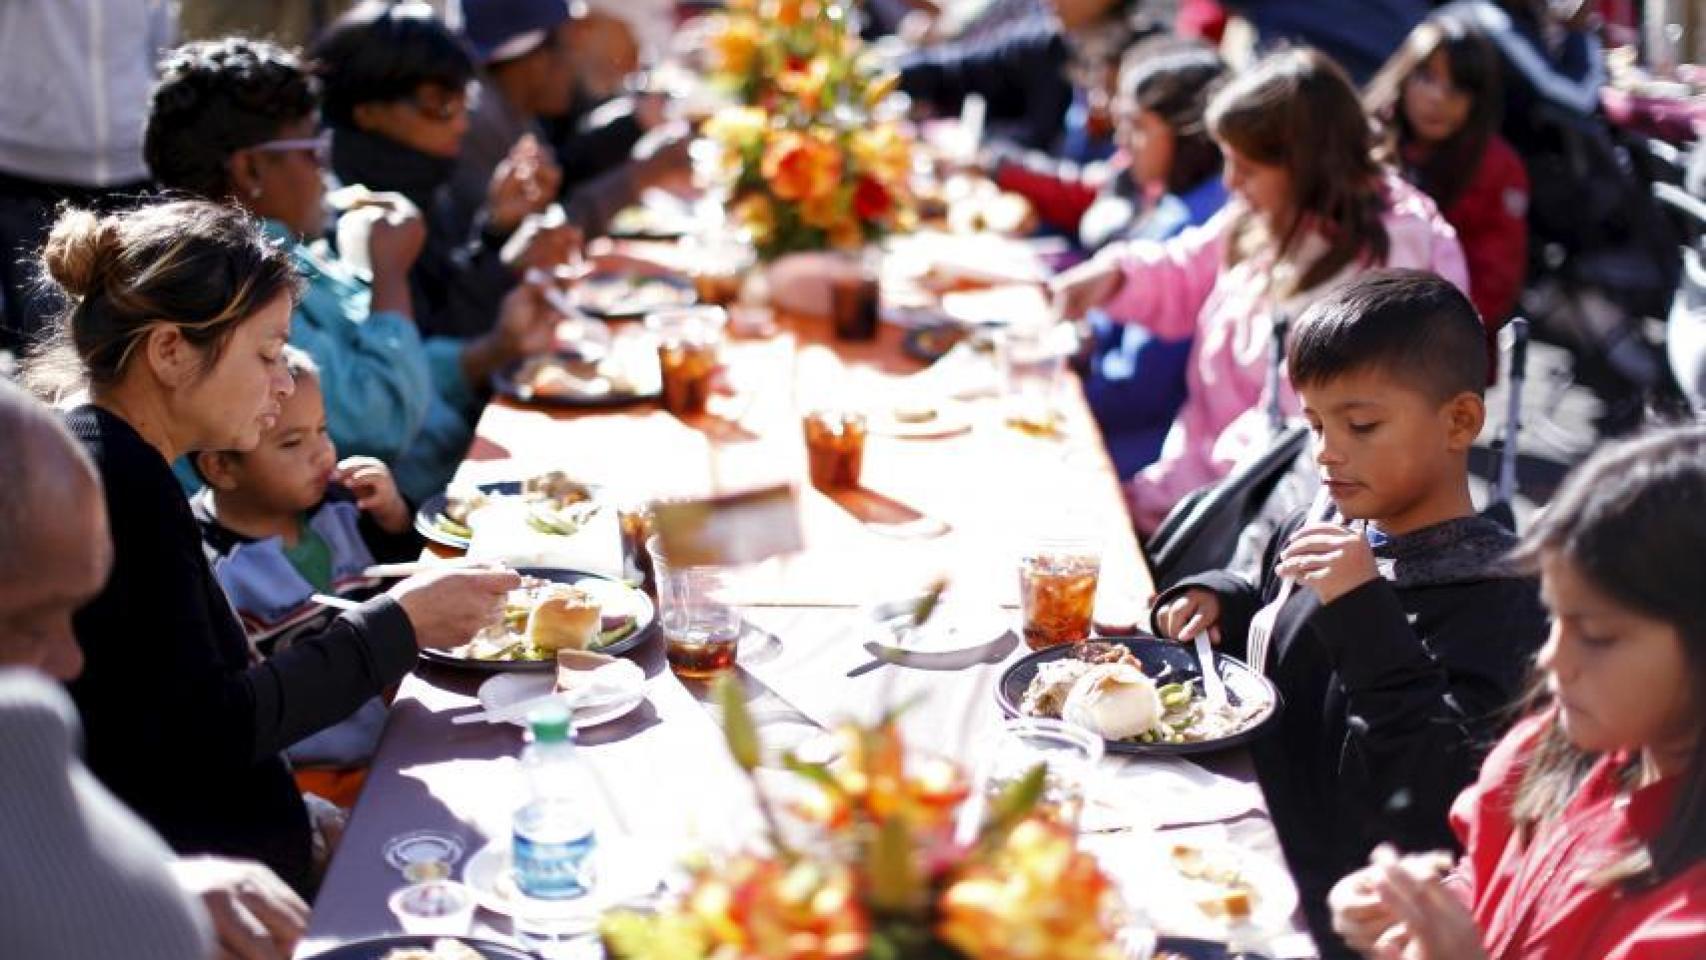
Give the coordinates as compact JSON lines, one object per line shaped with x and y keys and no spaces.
{"x":897,"y":885}
{"x":1013,"y":804}
{"x":738,"y":728}
{"x":817,"y":773}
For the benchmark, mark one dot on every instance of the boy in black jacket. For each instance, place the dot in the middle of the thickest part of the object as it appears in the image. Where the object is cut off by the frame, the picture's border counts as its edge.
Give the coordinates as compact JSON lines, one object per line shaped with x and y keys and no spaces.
{"x":1403,"y":638}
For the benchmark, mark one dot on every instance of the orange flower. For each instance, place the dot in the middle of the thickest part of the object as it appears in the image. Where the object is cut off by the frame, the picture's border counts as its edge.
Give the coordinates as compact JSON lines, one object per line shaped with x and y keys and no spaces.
{"x":763,"y":909}
{"x":801,"y":166}
{"x":823,"y":212}
{"x":789,"y":13}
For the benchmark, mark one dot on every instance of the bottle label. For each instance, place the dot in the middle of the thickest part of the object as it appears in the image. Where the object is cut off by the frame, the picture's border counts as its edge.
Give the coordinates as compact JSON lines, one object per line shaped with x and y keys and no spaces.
{"x":553,"y":869}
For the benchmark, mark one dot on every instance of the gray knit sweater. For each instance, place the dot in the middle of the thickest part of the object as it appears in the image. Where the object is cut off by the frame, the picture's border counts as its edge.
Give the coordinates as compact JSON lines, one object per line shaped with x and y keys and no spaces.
{"x":81,"y":877}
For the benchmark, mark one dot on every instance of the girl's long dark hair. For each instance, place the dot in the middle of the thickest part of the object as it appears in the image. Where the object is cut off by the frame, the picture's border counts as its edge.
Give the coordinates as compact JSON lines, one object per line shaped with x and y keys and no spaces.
{"x":1175,"y":83}
{"x":1474,"y":69}
{"x":1632,"y":520}
{"x":1296,"y":110}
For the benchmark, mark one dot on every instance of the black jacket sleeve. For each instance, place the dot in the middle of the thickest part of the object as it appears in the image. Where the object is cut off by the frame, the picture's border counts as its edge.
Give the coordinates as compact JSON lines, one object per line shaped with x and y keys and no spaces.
{"x":1239,"y":598}
{"x":170,"y":681}
{"x":1020,"y":75}
{"x":1425,"y":700}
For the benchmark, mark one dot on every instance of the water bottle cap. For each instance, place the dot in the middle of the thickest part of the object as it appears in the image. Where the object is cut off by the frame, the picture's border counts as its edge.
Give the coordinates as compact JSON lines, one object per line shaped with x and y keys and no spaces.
{"x":549,"y":723}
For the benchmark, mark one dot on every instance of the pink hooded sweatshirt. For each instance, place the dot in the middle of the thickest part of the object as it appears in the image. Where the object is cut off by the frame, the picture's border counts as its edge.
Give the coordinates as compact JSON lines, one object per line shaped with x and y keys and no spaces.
{"x":1183,"y":288}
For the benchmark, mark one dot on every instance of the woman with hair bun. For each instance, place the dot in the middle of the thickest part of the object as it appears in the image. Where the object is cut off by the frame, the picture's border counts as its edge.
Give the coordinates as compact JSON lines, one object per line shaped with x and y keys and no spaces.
{"x":175,"y":325}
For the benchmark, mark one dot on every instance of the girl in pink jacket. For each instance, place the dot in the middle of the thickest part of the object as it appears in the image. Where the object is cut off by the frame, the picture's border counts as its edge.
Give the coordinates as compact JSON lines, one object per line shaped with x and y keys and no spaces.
{"x":1310,"y":209}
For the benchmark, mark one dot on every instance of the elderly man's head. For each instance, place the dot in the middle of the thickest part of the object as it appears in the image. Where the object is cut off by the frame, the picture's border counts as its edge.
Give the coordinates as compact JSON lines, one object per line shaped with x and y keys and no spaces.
{"x":55,"y":551}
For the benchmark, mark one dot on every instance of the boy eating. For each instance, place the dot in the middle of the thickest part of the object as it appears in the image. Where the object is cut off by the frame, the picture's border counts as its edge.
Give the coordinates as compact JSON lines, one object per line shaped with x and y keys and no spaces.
{"x":1402,"y":638}
{"x":287,"y":520}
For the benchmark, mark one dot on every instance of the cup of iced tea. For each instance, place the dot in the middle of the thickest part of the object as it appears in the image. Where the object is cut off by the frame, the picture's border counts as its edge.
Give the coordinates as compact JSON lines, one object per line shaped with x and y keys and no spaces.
{"x":689,"y":341}
{"x":701,"y":627}
{"x":719,"y":269}
{"x":835,"y":447}
{"x":855,"y":298}
{"x":1057,"y":590}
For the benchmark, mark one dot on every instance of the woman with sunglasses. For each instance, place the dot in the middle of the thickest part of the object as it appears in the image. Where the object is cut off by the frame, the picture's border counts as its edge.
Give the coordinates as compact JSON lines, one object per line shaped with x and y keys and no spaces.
{"x":237,"y":121}
{"x":397,"y":86}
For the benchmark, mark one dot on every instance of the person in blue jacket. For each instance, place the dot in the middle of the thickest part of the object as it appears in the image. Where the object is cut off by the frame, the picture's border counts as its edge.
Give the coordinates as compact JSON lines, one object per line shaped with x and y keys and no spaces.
{"x":237,"y":121}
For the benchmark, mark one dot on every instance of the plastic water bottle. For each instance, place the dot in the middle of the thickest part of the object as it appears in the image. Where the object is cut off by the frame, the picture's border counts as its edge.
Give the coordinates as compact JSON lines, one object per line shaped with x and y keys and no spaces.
{"x":553,"y":835}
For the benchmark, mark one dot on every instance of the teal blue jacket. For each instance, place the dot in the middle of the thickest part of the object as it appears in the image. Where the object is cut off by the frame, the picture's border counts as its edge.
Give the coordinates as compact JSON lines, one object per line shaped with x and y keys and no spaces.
{"x":389,"y":393}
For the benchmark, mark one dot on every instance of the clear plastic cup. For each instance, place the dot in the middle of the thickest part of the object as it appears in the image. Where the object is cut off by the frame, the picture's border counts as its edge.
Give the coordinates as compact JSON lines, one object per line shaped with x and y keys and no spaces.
{"x":701,"y":628}
{"x":434,"y":908}
{"x":1067,"y":753}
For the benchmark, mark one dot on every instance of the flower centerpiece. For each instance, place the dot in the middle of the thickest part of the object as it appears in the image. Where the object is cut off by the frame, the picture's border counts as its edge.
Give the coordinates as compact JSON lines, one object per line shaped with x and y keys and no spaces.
{"x":807,"y":164}
{"x":886,"y":875}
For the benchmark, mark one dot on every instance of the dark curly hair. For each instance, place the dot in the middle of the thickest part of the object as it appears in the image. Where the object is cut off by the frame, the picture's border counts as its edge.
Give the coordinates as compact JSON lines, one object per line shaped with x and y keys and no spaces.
{"x":380,"y":51}
{"x":215,"y":98}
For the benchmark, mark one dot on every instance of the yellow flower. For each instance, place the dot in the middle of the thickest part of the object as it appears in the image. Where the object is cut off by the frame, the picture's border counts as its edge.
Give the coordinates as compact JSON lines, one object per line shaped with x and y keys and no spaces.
{"x":1038,"y":898}
{"x":801,"y":166}
{"x":757,"y":214}
{"x":738,"y":128}
{"x":734,"y":47}
{"x":881,"y":151}
{"x":805,"y":82}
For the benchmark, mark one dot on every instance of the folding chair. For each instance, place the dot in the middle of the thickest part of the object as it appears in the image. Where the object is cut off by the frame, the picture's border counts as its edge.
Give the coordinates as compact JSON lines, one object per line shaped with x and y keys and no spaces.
{"x":1502,"y":509}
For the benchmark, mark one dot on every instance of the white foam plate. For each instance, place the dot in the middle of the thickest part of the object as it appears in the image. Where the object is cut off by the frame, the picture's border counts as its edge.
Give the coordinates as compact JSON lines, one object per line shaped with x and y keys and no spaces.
{"x":505,"y":689}
{"x":623,"y":871}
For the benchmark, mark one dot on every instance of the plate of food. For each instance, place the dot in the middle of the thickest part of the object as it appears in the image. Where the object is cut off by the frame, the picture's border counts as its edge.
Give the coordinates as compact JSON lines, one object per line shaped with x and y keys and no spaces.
{"x":921,"y":419}
{"x":627,"y":296}
{"x":556,"y":503}
{"x":643,"y":222}
{"x":929,"y":343}
{"x":417,"y":947}
{"x":556,"y":610}
{"x":574,"y":380}
{"x":597,"y":687}
{"x":1231,"y":888}
{"x":1141,"y":694}
{"x":1188,"y":948}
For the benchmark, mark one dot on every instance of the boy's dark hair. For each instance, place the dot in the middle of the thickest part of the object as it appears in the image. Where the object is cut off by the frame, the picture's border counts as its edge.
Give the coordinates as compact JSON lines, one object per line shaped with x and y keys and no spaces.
{"x":1411,"y":324}
{"x":381,"y":52}
{"x":215,"y":98}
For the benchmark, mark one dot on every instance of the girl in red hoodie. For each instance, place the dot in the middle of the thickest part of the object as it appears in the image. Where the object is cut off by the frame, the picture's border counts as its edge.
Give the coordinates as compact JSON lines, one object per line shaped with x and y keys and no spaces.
{"x":1438,"y":102}
{"x":1585,"y":836}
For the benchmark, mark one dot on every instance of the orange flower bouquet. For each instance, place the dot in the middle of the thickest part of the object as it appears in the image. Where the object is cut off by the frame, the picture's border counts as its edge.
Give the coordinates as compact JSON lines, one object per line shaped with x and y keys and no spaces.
{"x":886,"y":878}
{"x":807,"y":165}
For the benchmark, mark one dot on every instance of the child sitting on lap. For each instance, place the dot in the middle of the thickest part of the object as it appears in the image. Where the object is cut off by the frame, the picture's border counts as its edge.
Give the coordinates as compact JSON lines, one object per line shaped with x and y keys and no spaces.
{"x":1404,"y":638}
{"x":285,"y":521}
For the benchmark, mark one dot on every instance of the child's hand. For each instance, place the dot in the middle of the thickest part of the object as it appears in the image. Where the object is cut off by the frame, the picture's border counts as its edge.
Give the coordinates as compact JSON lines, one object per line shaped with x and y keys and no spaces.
{"x":1433,"y":924}
{"x":375,"y":491}
{"x":1190,"y":613}
{"x":1329,"y":559}
{"x":1086,"y":286}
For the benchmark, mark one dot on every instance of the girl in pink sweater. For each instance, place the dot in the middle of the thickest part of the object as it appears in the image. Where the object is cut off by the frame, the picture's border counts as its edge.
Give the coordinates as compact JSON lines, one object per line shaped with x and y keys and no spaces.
{"x":1310,"y":209}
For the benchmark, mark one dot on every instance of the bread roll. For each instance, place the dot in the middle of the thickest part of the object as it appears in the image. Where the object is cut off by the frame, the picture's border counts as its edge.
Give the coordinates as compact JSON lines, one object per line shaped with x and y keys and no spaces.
{"x":563,"y":617}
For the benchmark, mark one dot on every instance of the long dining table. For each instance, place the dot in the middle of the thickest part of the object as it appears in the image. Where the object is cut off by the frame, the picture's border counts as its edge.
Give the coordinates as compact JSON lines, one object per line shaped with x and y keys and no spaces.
{"x":959,"y":504}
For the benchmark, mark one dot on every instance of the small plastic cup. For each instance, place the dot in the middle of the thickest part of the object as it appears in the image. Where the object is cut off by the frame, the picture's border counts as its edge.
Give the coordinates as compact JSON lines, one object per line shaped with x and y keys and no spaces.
{"x":434,"y":908}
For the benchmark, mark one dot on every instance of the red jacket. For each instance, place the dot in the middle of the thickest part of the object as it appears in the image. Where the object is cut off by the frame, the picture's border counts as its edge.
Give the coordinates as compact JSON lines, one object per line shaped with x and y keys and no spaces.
{"x":1491,"y":217}
{"x":1491,"y":220}
{"x":1532,"y":899}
